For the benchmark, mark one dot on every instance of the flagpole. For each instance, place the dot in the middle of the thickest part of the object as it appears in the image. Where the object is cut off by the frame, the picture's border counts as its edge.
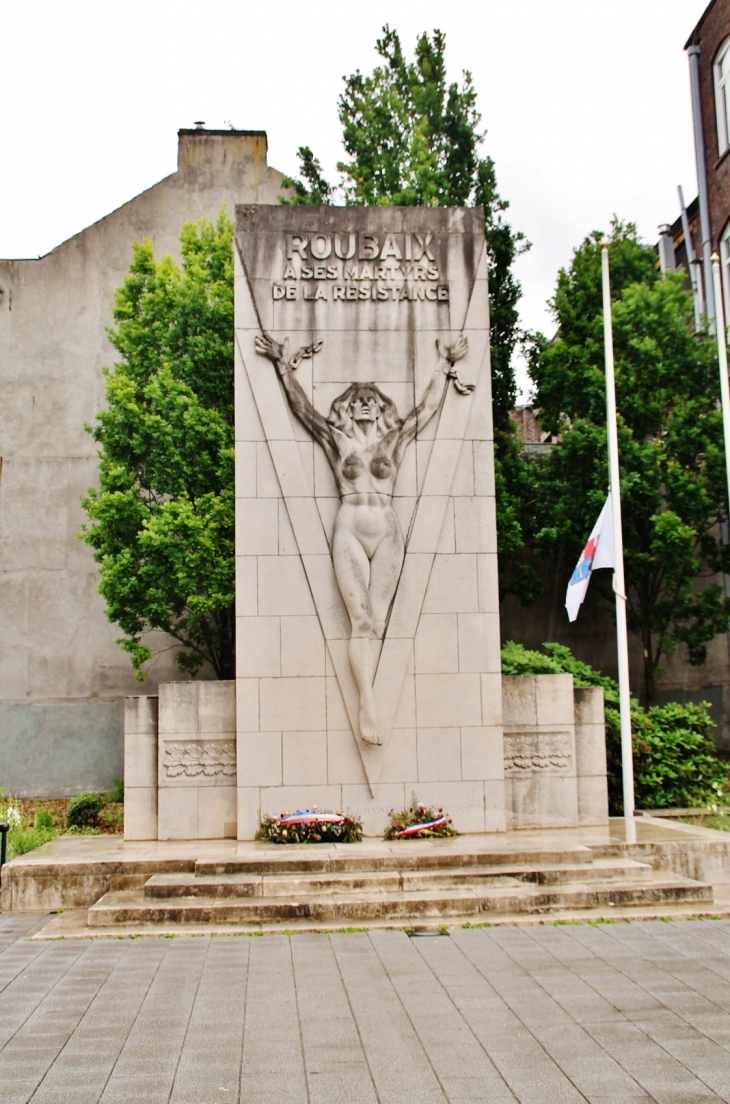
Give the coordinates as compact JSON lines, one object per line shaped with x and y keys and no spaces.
{"x":722,"y":356}
{"x":619,"y":586}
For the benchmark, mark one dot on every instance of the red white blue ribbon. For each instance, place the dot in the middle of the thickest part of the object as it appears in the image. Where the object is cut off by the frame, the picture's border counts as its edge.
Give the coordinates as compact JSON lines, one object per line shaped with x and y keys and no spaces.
{"x":308,"y":817}
{"x":416,"y":828}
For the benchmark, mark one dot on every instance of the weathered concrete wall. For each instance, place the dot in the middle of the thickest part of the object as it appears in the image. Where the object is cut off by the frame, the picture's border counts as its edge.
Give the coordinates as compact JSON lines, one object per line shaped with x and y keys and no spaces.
{"x":57,"y":648}
{"x":58,"y":749}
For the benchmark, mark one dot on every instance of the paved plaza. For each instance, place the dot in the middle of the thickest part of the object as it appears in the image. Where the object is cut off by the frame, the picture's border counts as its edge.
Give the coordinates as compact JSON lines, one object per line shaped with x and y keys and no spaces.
{"x":613,"y":1013}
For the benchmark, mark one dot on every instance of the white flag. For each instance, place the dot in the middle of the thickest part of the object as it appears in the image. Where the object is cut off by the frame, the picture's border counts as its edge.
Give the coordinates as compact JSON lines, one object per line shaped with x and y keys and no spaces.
{"x":598,"y":552}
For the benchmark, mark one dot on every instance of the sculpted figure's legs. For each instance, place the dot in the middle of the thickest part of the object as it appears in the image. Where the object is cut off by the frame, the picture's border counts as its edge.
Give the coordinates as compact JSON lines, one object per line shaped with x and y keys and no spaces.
{"x":367,"y":586}
{"x":385,"y":569}
{"x":352,"y":569}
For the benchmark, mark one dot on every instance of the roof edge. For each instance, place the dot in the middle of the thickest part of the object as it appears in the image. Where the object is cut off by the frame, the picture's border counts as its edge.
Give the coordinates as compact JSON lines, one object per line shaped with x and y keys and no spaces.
{"x":692,"y":40}
{"x":228,"y":131}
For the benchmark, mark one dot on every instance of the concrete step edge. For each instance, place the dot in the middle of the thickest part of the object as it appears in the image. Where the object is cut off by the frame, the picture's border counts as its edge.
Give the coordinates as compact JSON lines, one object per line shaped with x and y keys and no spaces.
{"x":124,"y":906}
{"x":72,"y":923}
{"x":263,"y":885}
{"x":352,"y":861}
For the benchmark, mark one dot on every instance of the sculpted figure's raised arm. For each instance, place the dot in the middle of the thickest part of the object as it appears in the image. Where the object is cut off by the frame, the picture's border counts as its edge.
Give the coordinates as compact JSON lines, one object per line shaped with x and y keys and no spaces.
{"x":365,"y":440}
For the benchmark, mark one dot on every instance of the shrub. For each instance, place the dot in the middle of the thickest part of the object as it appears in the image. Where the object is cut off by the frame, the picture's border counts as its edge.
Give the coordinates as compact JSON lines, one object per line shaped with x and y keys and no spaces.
{"x":674,"y":757}
{"x":416,"y":814}
{"x":83,"y":810}
{"x":43,"y":819}
{"x":116,"y":793}
{"x":348,"y":830}
{"x":675,"y":763}
{"x":112,"y":818}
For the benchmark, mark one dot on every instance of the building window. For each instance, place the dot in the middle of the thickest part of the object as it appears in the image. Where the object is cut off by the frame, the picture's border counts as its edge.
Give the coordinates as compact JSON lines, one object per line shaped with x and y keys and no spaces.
{"x":722,"y":96}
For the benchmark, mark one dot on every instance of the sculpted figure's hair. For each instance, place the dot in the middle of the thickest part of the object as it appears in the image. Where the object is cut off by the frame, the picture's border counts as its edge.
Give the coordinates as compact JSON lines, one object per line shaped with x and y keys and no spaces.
{"x":341,"y":419}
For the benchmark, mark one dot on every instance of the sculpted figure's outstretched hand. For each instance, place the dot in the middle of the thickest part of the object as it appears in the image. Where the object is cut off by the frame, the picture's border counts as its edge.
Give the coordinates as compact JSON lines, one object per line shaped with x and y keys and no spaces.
{"x":452,"y":353}
{"x":266,"y":346}
{"x":279,"y":354}
{"x":365,"y":439}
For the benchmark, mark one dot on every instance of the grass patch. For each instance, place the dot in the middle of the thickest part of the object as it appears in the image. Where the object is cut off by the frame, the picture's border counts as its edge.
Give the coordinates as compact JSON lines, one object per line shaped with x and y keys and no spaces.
{"x":720,"y":821}
{"x":34,"y":823}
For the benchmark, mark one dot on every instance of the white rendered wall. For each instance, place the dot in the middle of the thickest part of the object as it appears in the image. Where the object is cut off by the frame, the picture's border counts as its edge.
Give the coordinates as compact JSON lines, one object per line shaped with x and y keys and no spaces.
{"x":62,"y":676}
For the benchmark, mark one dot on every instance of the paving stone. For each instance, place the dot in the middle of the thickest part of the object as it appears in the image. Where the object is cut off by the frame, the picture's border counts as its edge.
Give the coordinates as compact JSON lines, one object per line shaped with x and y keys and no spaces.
{"x":18,"y":1092}
{"x":534,"y":1015}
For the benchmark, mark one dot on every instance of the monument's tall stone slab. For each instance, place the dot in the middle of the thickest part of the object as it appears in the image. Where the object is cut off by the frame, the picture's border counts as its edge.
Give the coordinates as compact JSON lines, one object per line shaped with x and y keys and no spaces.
{"x":367,"y":609}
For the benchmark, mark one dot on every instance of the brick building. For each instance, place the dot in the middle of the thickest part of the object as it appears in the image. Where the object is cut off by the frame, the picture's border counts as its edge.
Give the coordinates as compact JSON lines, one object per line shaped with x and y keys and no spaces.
{"x":704,"y":227}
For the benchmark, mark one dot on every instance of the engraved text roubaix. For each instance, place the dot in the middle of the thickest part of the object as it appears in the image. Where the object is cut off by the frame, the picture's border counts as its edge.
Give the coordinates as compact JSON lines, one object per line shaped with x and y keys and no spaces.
{"x":354,"y":266}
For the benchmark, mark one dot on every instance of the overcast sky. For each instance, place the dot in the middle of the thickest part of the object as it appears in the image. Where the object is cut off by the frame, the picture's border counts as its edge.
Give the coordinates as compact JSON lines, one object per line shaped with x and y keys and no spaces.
{"x":586,"y":104}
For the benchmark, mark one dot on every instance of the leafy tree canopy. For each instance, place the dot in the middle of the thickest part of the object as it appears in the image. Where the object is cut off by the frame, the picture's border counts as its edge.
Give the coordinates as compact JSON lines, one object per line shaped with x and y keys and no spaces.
{"x":670,"y":445}
{"x":413,"y":138}
{"x":161,"y":522}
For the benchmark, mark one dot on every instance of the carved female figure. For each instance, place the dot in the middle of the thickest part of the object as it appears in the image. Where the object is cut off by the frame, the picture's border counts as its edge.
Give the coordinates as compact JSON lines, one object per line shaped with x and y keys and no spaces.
{"x":365,"y":440}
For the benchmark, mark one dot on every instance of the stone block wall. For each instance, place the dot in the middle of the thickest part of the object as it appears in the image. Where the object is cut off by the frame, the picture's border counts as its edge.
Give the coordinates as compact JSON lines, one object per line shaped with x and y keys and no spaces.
{"x":590,"y":755}
{"x":438,"y":676}
{"x":197,"y":761}
{"x":554,"y":764}
{"x":140,"y":767}
{"x":180,"y":762}
{"x":554,"y":752}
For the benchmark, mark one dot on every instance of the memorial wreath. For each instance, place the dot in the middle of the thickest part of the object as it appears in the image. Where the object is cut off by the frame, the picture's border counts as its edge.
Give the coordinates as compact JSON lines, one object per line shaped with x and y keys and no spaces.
{"x":310,"y":826}
{"x":419,"y":821}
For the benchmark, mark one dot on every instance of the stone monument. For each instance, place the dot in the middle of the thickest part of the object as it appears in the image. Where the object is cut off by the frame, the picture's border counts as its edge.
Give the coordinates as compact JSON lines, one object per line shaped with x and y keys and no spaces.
{"x":367,"y":605}
{"x":368,"y":644}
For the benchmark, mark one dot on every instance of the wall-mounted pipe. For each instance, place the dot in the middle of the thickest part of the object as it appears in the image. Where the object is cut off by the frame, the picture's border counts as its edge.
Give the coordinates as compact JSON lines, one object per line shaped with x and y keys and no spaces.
{"x":693,"y":52}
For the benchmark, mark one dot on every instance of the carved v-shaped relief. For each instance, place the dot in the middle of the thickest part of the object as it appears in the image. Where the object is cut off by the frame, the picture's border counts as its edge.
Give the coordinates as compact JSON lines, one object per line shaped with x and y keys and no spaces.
{"x":412,"y":565}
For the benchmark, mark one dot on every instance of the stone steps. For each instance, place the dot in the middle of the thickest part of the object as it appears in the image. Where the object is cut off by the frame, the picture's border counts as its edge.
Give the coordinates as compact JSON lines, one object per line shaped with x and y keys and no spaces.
{"x":412,"y":855}
{"x":478,"y":902}
{"x":161,"y":888}
{"x":169,"y":886}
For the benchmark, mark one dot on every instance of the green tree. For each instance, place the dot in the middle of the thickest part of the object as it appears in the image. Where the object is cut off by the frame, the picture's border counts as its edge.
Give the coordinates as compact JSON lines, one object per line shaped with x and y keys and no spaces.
{"x":670,"y":445}
{"x":413,"y":138}
{"x":161,"y":522}
{"x":313,"y":189}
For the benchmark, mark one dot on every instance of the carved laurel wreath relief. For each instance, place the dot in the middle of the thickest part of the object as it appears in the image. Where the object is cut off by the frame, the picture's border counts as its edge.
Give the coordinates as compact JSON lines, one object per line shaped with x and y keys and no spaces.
{"x":195,"y":757}
{"x":526,"y":752}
